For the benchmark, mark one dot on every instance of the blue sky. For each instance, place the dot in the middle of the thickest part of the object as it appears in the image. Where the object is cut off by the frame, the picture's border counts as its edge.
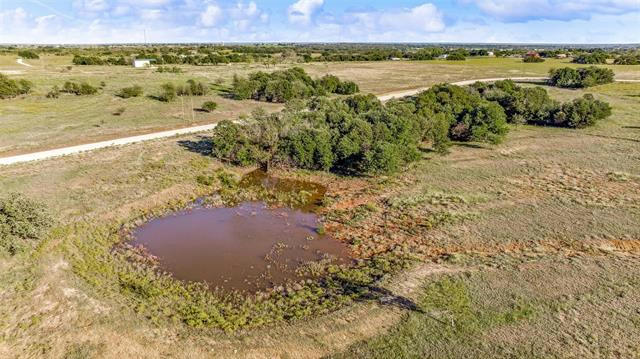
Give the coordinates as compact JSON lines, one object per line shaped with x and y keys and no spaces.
{"x":505,"y":21}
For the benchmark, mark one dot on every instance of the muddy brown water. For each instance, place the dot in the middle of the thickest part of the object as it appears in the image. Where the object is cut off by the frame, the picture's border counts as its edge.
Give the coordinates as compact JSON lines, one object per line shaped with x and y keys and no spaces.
{"x":248,"y":247}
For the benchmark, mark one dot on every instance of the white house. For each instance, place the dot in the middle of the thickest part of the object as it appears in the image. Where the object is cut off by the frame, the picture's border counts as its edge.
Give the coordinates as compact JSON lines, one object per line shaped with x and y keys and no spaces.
{"x":140,"y":63}
{"x":490,"y":53}
{"x":443,"y":57}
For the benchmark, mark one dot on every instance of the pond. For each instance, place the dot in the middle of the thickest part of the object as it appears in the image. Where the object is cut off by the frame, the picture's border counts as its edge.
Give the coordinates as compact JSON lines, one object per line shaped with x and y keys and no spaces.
{"x":247,"y":247}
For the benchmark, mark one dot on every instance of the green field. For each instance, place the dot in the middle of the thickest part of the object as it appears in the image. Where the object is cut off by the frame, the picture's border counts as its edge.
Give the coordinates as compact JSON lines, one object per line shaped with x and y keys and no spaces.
{"x":537,"y":256}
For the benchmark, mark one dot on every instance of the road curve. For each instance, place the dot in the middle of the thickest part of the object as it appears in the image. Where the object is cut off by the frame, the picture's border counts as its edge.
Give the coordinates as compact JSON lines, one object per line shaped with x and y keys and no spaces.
{"x":164,"y":134}
{"x":20,"y":62}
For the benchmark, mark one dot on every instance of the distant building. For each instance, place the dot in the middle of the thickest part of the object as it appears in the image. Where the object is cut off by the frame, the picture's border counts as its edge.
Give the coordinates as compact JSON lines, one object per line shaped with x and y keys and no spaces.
{"x":490,"y":53}
{"x":140,"y":63}
{"x":532,"y":54}
{"x":444,"y":57}
{"x":395,"y":59}
{"x":561,"y":56}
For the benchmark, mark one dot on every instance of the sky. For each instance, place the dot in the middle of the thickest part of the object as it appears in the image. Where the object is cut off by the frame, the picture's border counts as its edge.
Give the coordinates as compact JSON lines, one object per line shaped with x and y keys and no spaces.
{"x":462,"y":21}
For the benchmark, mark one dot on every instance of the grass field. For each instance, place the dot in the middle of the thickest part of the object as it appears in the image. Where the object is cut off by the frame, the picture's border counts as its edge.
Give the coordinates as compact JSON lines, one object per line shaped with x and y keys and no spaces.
{"x":538,"y":256}
{"x":34,"y":122}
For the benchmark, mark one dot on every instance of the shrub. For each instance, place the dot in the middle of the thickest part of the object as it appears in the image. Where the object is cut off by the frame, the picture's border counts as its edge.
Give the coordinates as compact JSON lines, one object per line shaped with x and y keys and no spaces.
{"x":582,"y":77}
{"x":532,"y":59}
{"x":11,"y":88}
{"x":456,"y":56}
{"x":347,"y":88}
{"x":28,"y":54}
{"x":54,"y":93}
{"x":128,"y":92}
{"x":167,"y":69}
{"x":209,"y":106}
{"x":81,"y":89}
{"x":168,"y":93}
{"x":582,"y":112}
{"x":23,"y":223}
{"x":192,"y":88}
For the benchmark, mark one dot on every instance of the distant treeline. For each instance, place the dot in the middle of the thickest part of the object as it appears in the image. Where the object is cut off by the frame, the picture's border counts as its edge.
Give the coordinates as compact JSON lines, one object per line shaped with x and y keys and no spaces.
{"x":219,"y":54}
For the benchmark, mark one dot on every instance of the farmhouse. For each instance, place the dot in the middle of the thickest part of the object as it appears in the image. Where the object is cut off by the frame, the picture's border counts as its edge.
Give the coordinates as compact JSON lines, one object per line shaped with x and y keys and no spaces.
{"x":140,"y":63}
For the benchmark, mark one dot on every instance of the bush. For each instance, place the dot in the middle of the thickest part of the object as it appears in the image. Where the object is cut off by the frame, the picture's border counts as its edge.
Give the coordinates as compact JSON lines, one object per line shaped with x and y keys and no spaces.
{"x":347,"y":88}
{"x":81,"y":89}
{"x":582,"y":112}
{"x":456,"y":56}
{"x":532,"y":59}
{"x":11,"y":88}
{"x":582,"y":77}
{"x":128,"y":92}
{"x":167,"y":69}
{"x":192,"y":88}
{"x":54,"y":93}
{"x":168,"y":93}
{"x":209,"y":106}
{"x":28,"y":54}
{"x":23,"y":223}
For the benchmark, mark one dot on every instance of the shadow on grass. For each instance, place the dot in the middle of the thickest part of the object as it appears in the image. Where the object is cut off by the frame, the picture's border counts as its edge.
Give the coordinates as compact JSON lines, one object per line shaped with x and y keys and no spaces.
{"x":202,"y":145}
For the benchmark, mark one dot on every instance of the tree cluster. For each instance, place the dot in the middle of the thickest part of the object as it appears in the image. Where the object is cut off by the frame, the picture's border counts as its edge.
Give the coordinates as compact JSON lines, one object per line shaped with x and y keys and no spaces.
{"x":28,"y":54}
{"x":532,"y":105}
{"x":359,"y":134}
{"x":191,"y":88}
{"x":578,"y":78}
{"x":10,"y":88}
{"x":627,"y":59}
{"x":283,"y":86}
{"x":95,"y":60}
{"x":596,"y":57}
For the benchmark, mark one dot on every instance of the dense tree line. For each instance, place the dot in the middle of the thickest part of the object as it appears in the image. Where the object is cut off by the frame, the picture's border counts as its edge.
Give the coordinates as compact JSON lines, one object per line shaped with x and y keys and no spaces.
{"x":361,"y":135}
{"x":95,"y":60}
{"x":583,"y":77}
{"x":10,"y":88}
{"x":285,"y":85}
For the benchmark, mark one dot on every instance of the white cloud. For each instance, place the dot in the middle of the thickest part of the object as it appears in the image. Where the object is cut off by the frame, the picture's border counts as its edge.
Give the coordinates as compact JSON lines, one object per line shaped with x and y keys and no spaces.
{"x":248,"y":15}
{"x":151,"y":14}
{"x":523,"y":10}
{"x":301,"y":11}
{"x":423,"y":18}
{"x":91,"y":5}
{"x":211,"y":15}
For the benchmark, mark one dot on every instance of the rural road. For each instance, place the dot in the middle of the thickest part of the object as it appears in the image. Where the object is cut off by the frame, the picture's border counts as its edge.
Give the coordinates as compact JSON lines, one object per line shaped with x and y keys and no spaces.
{"x":20,"y":62}
{"x":157,"y":135}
